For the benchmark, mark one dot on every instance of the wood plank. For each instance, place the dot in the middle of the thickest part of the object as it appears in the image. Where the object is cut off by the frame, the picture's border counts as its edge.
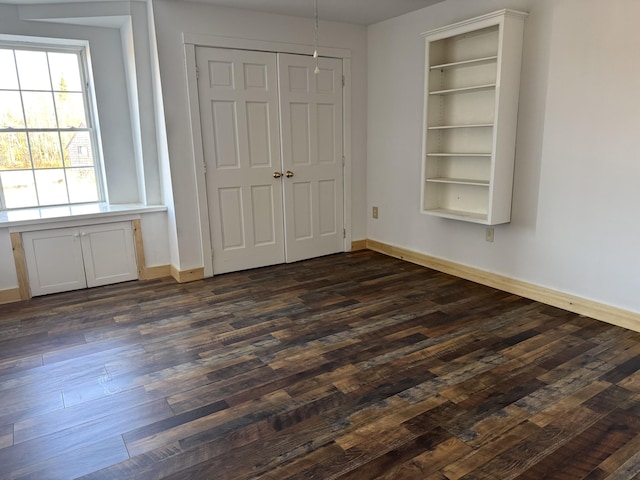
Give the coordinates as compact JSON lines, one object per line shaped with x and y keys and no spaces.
{"x":485,"y":453}
{"x":59,"y":420}
{"x":582,"y":306}
{"x":354,"y":365}
{"x":585,"y":451}
{"x":41,"y":449}
{"x":77,"y":462}
{"x":10,"y":295}
{"x":6,"y":436}
{"x":139,"y":248}
{"x":21,"y":266}
{"x":430,"y":463}
{"x":358,"y":245}
{"x":190,"y":275}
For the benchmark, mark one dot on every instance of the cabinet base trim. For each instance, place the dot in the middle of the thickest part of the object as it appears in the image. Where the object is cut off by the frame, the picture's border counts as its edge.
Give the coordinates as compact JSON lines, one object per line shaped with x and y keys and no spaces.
{"x":10,"y":295}
{"x":21,"y":266}
{"x":184,"y":276}
{"x":582,"y":306}
{"x":158,"y":271}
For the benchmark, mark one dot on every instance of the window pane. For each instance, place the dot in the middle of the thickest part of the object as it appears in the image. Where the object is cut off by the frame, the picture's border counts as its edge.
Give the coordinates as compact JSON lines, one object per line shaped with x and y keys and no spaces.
{"x":76,"y":148}
{"x":52,"y":188}
{"x":65,"y":73}
{"x":8,"y":75}
{"x":14,"y":151}
{"x":19,"y":189}
{"x":39,"y":109}
{"x":52,"y":162}
{"x":82,"y":185}
{"x":11,"y":110}
{"x":33,"y":70}
{"x":70,"y":109}
{"x":45,"y":150}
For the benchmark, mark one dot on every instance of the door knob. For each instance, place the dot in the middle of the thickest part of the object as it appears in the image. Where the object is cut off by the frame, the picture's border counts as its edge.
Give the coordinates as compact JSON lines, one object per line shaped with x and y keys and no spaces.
{"x":277,"y":174}
{"x":289,"y":174}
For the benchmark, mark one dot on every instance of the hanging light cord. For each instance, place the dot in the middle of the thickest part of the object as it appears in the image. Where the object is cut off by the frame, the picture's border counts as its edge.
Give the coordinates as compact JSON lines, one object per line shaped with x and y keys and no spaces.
{"x":315,"y":52}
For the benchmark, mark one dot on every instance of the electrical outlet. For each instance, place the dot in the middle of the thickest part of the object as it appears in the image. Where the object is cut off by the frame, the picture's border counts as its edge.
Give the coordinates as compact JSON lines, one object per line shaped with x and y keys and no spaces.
{"x":374,"y":212}
{"x":488,"y":235}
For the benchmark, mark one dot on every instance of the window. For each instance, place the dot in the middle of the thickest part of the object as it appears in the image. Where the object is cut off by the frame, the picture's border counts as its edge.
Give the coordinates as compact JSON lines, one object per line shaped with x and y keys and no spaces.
{"x":47,"y":136}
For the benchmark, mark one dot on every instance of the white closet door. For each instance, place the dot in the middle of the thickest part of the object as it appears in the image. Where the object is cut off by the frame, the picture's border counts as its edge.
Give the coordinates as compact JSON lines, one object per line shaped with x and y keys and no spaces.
{"x":238,"y":99}
{"x":312,"y":149}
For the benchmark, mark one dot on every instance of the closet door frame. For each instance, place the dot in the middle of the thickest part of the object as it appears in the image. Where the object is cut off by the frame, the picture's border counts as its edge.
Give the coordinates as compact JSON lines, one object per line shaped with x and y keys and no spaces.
{"x":191,"y":41}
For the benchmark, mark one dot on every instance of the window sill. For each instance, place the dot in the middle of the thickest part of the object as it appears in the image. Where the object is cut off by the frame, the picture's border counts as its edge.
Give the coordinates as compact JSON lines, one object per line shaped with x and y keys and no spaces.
{"x":19,"y":220}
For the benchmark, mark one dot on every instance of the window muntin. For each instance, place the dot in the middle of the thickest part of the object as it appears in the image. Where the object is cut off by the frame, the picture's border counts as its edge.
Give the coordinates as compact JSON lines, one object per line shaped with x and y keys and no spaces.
{"x":47,"y":139}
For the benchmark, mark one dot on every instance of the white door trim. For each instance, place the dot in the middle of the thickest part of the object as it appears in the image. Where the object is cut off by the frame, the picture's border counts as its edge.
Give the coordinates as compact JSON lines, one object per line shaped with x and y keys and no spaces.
{"x":219,"y":41}
{"x":190,"y":41}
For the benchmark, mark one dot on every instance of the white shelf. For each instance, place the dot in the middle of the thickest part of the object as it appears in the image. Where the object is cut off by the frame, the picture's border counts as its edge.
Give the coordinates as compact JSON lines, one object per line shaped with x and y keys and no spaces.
{"x":456,"y":214}
{"x":465,"y":63}
{"x":441,"y":154}
{"x":475,"y":88}
{"x":459,"y":181}
{"x":450,"y":127}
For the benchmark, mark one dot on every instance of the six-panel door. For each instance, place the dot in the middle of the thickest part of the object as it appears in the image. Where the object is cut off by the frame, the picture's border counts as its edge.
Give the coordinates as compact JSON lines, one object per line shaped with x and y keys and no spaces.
{"x":311,"y":113}
{"x":268,"y":204}
{"x":238,"y":97}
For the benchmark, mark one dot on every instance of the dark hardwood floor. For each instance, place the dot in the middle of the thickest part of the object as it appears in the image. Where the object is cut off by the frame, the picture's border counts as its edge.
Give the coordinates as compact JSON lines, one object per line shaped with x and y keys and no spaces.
{"x":352,"y":366}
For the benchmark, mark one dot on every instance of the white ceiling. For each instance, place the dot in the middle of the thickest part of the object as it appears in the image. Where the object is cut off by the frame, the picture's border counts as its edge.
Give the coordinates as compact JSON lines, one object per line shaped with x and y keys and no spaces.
{"x":363,"y":12}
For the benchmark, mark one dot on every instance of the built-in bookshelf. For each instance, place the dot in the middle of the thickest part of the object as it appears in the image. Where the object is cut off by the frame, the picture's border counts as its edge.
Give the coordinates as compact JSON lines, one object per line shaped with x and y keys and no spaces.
{"x":472,"y":79}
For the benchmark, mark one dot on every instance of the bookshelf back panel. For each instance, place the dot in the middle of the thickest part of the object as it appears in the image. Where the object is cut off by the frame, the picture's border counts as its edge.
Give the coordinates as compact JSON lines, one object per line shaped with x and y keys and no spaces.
{"x":463,"y":198}
{"x":460,"y":140}
{"x":462,"y":109}
{"x":462,"y":76}
{"x":469,"y":46}
{"x":468,"y":168}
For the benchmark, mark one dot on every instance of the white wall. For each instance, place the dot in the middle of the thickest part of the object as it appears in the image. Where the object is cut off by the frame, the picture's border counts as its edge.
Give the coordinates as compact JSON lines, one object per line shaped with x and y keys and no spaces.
{"x":123,"y":73}
{"x":155,"y":240}
{"x":575,"y":224}
{"x":172,"y":19}
{"x":120,"y":50}
{"x":109,"y":80}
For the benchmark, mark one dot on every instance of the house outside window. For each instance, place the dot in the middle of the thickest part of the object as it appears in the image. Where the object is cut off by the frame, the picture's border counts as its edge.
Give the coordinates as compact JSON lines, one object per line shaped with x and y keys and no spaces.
{"x":48,"y":153}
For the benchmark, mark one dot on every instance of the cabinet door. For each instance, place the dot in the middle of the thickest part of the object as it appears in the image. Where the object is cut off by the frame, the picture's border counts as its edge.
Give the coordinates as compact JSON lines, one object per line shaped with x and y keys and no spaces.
{"x":54,"y":261}
{"x":109,"y":253}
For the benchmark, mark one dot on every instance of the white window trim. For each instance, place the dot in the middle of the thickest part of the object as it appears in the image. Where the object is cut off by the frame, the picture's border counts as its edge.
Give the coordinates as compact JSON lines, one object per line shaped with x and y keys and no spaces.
{"x":81,"y":47}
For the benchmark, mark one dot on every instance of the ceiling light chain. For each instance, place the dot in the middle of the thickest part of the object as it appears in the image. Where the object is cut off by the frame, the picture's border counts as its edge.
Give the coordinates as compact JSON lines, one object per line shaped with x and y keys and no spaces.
{"x":315,"y":52}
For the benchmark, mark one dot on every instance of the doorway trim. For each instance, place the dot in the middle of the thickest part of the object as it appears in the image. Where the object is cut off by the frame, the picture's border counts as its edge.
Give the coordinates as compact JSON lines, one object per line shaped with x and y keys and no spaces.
{"x":193,"y":40}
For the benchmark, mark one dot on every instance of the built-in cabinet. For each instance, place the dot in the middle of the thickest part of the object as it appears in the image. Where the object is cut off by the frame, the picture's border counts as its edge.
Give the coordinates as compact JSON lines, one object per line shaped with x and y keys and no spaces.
{"x":65,"y":259}
{"x":472,"y":79}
